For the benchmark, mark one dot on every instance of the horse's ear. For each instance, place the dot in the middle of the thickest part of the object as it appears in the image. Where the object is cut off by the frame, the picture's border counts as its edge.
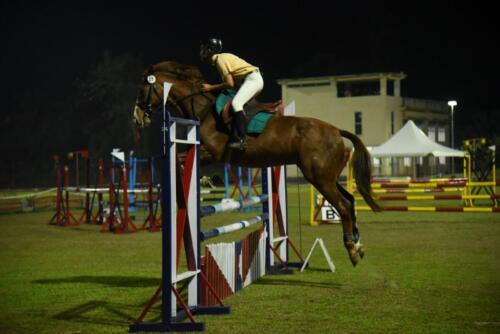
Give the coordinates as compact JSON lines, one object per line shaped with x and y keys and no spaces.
{"x":151,"y":69}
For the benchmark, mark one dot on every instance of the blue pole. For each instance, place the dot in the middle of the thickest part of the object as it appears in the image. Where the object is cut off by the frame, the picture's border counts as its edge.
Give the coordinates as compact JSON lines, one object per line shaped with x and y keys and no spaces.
{"x":240,"y":182}
{"x":132,"y":162}
{"x":204,"y":235}
{"x":232,"y":205}
{"x":226,"y":179}
{"x":249,"y":186}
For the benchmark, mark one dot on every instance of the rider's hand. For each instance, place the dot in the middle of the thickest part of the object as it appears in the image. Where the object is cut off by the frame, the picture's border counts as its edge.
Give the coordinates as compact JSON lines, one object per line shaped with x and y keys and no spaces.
{"x":206,"y":87}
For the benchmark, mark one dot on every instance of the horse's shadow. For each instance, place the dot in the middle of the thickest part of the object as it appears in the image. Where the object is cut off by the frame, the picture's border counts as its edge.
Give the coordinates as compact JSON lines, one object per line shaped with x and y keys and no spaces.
{"x":102,"y":312}
{"x":99,"y":312}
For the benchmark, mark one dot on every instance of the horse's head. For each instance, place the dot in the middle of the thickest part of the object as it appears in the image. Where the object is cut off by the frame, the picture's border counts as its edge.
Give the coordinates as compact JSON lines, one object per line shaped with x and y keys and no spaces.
{"x":186,"y":86}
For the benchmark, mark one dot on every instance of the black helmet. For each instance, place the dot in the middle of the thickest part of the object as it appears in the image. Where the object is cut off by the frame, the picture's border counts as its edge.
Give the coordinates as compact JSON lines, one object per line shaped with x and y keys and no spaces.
{"x":210,"y":47}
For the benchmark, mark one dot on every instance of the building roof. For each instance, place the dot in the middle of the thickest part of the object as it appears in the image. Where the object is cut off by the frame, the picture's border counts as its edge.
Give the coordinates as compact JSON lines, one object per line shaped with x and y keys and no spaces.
{"x":349,"y":78}
{"x":410,"y":141}
{"x":418,"y":104}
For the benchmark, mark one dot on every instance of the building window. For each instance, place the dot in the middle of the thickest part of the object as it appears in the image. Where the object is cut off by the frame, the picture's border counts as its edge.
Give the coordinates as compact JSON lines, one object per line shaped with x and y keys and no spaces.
{"x":431,"y":133}
{"x":441,"y":134}
{"x":392,"y":122}
{"x":313,"y":84}
{"x":390,"y":87}
{"x":358,"y":88}
{"x":358,"y":127}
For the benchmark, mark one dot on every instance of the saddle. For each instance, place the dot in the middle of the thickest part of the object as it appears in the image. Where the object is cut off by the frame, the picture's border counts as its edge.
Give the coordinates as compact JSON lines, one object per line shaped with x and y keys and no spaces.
{"x":257,"y":113}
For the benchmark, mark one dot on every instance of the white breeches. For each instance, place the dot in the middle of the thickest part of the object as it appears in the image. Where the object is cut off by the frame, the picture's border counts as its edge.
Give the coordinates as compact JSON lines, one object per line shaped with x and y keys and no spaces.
{"x":252,"y":85}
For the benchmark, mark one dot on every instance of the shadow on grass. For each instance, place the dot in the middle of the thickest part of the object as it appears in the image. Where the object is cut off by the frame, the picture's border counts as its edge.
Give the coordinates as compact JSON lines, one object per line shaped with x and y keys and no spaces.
{"x":100,"y":312}
{"x":321,"y":270}
{"x":113,"y":281}
{"x":291,"y":282}
{"x":81,"y":229}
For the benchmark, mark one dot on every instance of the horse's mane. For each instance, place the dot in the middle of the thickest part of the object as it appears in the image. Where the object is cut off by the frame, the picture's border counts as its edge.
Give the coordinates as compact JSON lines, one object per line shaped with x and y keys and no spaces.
{"x":182,"y":70}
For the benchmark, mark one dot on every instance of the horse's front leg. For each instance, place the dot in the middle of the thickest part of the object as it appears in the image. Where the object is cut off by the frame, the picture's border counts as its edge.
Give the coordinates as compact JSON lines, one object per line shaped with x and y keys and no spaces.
{"x":206,"y":157}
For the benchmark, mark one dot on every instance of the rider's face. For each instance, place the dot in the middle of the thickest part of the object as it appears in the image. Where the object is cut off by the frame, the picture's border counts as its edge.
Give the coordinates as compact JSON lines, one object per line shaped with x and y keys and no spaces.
{"x":204,"y":54}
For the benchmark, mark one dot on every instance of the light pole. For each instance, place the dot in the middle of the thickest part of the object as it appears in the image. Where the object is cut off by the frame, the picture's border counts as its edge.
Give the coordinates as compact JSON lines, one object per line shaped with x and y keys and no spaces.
{"x":452,"y":104}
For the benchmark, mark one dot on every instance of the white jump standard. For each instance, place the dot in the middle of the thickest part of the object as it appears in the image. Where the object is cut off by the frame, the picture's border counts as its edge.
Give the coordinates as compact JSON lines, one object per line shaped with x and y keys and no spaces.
{"x":180,"y":224}
{"x":181,"y":216}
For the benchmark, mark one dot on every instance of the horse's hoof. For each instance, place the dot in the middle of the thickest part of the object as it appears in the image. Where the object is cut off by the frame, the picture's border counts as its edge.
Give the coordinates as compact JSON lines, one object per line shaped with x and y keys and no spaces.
{"x":361,"y":251}
{"x":355,"y":259}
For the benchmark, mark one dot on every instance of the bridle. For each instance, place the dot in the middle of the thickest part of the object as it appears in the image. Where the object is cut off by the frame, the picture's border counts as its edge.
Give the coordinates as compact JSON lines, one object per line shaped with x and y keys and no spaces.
{"x":152,"y":83}
{"x":147,"y":105}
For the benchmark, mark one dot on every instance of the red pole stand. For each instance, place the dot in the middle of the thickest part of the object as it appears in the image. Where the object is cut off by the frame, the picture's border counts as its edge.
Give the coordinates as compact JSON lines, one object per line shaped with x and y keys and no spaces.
{"x":98,"y":218}
{"x":68,"y":218}
{"x":237,"y":178}
{"x":126,"y":226}
{"x":108,"y":224}
{"x":88,"y":213}
{"x":57,"y":218}
{"x":244,"y":181}
{"x":252,"y":182}
{"x":86,"y":216}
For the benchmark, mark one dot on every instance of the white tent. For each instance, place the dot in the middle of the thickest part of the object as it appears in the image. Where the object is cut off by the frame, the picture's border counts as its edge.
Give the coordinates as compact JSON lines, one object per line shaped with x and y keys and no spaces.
{"x":410,"y":141}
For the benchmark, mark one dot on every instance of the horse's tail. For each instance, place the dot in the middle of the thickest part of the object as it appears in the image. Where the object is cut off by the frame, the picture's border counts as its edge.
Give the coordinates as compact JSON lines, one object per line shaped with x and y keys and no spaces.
{"x":362,"y":169}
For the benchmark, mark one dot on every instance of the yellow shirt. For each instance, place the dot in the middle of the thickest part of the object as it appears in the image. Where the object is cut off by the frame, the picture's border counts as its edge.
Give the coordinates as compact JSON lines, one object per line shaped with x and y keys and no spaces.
{"x":227,"y":63}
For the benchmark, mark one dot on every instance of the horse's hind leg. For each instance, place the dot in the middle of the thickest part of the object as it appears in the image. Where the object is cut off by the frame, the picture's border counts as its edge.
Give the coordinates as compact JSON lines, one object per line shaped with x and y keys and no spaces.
{"x":355,"y":230}
{"x":350,"y":198}
{"x":345,"y":209}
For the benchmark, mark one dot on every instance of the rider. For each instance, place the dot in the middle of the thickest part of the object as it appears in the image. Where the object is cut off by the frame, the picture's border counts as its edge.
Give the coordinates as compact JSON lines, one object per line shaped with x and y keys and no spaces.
{"x":235,"y":73}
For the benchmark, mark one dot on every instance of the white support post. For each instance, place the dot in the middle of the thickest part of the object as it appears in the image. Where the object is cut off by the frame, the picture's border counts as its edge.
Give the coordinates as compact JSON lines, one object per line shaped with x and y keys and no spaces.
{"x":282,"y":203}
{"x":173,"y":215}
{"x":274,"y":185}
{"x":325,"y":253}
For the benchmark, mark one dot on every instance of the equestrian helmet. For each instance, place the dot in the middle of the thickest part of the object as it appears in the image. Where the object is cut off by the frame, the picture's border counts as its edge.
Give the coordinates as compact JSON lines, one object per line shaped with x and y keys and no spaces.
{"x":210,"y":46}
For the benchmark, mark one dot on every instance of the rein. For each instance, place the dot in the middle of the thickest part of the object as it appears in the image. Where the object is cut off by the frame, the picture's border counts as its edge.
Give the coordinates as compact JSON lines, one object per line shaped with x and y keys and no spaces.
{"x":148,"y":107}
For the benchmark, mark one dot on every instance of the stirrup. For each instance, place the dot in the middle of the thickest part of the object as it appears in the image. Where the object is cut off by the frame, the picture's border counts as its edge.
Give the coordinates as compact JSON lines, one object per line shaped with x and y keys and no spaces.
{"x":239,"y":144}
{"x":243,"y":143}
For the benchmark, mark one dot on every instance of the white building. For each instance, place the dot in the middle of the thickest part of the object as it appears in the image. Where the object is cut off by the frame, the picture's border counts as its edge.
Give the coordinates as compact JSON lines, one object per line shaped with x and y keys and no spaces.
{"x":369,"y":105}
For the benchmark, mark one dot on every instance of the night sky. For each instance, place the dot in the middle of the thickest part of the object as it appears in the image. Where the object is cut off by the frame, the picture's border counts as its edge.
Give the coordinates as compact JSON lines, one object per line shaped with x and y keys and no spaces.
{"x":447,"y":52}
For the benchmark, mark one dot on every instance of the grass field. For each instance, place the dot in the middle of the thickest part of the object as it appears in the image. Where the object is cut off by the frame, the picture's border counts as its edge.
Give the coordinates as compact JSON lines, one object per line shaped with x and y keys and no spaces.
{"x":422,"y":273}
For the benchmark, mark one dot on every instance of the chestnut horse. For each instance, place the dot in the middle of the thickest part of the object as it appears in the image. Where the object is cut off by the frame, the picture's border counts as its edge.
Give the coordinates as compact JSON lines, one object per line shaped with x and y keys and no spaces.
{"x":316,"y":147}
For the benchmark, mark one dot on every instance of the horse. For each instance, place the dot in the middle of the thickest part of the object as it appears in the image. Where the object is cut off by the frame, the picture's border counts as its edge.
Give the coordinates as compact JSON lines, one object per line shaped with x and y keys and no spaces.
{"x":315,"y":146}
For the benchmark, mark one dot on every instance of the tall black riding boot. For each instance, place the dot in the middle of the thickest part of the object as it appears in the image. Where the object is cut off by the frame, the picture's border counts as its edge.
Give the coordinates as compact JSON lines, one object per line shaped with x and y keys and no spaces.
{"x":242,"y":129}
{"x":239,"y":123}
{"x":234,"y":138}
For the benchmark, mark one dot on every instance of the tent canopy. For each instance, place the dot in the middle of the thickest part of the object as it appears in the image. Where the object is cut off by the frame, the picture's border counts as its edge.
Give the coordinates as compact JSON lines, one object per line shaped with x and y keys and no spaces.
{"x":410,"y":141}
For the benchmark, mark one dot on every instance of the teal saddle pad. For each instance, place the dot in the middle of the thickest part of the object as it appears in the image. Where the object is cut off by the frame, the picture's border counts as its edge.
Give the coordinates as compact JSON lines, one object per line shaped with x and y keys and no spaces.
{"x":256,"y":124}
